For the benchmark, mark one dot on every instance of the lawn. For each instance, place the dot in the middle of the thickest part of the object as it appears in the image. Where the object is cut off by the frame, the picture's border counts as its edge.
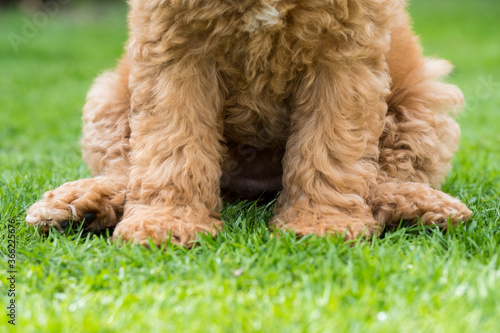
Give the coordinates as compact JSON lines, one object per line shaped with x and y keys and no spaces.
{"x":410,"y":280}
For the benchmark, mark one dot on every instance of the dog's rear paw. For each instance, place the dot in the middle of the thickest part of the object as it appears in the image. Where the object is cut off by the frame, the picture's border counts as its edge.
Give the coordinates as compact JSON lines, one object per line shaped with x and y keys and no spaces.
{"x":97,"y":203}
{"x":444,"y":211}
{"x":393,"y":202}
{"x":46,"y":214}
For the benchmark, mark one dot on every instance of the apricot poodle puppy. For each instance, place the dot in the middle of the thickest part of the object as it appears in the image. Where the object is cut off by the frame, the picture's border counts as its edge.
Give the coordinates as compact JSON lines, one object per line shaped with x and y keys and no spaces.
{"x":329,"y":102}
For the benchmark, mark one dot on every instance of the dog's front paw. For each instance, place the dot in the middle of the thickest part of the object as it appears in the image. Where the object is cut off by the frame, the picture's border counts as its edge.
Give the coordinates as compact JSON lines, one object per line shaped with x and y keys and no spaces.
{"x":304,"y":222}
{"x":97,"y":202}
{"x":142,"y":223}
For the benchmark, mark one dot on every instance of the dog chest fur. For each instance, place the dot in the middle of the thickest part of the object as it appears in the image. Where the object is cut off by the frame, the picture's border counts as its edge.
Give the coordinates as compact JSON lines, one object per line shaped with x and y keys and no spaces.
{"x":262,"y":48}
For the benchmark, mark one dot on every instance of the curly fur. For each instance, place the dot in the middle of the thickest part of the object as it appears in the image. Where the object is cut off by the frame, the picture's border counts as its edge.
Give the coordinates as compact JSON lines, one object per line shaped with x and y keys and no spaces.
{"x":335,"y":96}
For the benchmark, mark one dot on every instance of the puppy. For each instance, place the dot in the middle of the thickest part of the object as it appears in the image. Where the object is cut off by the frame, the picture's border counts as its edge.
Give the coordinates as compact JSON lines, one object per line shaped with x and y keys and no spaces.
{"x":329,"y":102}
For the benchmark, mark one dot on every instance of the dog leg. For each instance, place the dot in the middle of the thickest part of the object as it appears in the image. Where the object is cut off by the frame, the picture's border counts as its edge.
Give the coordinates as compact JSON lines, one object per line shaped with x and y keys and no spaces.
{"x":419,"y":139}
{"x":420,"y":135}
{"x":99,"y":201}
{"x":330,"y":161}
{"x":176,"y":151}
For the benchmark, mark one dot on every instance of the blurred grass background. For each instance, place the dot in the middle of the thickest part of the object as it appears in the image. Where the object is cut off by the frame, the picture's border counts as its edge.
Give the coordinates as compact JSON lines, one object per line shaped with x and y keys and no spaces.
{"x":411,"y":280}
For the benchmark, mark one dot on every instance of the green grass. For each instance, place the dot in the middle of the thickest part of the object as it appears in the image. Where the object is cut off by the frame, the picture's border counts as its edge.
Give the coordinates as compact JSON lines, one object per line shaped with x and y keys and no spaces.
{"x":411,"y":280}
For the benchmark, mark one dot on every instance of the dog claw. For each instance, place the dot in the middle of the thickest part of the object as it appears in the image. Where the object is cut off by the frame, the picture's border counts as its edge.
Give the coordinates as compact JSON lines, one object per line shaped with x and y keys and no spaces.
{"x":88,"y":218}
{"x":63,"y":225}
